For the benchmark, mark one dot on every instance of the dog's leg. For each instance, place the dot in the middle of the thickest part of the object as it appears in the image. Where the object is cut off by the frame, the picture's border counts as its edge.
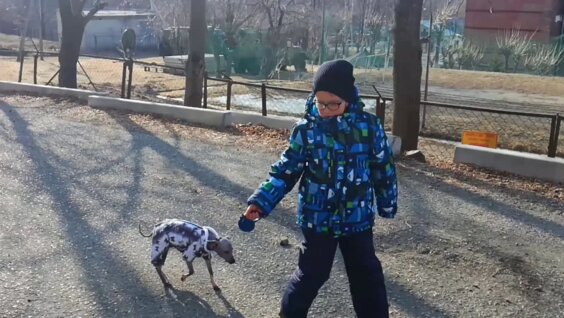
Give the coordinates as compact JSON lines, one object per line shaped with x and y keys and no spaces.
{"x":163,"y":277}
{"x":190,"y":271}
{"x":207,"y":258}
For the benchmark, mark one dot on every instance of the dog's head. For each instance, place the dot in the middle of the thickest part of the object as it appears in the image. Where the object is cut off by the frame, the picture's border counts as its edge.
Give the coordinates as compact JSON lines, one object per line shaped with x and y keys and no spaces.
{"x":223,"y":248}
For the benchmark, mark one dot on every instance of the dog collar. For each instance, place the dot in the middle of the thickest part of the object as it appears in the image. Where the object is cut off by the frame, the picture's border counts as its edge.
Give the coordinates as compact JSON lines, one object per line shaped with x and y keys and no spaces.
{"x":204,"y":239}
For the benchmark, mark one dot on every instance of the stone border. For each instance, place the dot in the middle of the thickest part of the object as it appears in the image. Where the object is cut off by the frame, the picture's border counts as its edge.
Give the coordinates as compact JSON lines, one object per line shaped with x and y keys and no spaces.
{"x":519,"y":163}
{"x":45,"y":90}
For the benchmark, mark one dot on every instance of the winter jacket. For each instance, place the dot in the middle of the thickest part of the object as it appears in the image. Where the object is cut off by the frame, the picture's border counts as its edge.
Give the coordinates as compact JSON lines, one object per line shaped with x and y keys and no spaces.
{"x":342,"y":163}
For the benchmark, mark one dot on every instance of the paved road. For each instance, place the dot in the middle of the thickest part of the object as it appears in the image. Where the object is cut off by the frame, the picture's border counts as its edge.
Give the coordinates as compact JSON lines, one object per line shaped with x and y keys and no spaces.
{"x":73,"y":191}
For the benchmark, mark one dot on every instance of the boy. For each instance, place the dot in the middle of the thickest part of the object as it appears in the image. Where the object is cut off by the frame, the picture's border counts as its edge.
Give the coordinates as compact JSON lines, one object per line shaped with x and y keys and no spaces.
{"x":342,"y":158}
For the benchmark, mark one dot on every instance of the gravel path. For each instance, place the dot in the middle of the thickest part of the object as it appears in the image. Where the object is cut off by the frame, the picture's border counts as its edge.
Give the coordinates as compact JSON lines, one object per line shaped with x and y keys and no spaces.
{"x":76,"y":182}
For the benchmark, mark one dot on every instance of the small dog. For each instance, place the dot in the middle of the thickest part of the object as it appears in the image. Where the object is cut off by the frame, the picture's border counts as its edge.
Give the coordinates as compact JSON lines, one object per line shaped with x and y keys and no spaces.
{"x":192,"y":241}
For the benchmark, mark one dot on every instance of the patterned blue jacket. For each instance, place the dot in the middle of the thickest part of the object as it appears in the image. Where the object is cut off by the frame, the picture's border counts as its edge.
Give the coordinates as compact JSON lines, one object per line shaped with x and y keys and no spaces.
{"x":343,"y":162}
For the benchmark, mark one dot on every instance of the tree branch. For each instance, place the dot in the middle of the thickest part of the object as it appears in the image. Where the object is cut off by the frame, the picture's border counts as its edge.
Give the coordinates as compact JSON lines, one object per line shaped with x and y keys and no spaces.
{"x":240,"y":23}
{"x":76,"y":7}
{"x":281,"y":17}
{"x":269,"y":14}
{"x":97,"y":7}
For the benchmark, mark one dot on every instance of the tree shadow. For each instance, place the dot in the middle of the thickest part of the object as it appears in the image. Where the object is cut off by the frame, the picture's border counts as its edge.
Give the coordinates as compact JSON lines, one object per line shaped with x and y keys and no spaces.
{"x":105,"y":274}
{"x":507,"y":258}
{"x":499,"y":207}
{"x":498,"y":188}
{"x":405,"y":299}
{"x":142,"y":138}
{"x":187,"y":304}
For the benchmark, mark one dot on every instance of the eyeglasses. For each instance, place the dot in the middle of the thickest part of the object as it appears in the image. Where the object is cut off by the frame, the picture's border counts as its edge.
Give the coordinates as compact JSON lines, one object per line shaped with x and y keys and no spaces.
{"x":330,"y":106}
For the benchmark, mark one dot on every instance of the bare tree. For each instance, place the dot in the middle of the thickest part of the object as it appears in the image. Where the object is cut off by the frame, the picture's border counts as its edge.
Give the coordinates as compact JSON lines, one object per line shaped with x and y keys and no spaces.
{"x":468,"y":55}
{"x":232,"y":15}
{"x":407,"y":72}
{"x":275,"y":12}
{"x":14,"y":12}
{"x":195,"y":66}
{"x":73,"y":23}
{"x":443,"y":13}
{"x":543,"y":59}
{"x":277,"y":15}
{"x":379,"y":17}
{"x":514,"y":44}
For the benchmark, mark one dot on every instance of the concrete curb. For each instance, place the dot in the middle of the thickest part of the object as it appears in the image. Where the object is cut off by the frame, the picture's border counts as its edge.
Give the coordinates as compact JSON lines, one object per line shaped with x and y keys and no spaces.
{"x":519,"y":163}
{"x":209,"y":117}
{"x":46,"y":90}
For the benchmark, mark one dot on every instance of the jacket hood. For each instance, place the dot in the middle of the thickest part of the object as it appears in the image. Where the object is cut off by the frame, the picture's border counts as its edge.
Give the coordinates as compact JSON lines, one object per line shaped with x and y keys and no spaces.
{"x":341,"y":122}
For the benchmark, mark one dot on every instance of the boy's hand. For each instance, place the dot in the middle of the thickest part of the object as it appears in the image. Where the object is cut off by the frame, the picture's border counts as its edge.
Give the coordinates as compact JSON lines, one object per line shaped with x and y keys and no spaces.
{"x":253,"y":213}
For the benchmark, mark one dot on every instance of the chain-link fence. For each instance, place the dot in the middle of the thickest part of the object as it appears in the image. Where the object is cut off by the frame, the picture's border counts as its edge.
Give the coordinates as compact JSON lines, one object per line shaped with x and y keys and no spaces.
{"x":515,"y":130}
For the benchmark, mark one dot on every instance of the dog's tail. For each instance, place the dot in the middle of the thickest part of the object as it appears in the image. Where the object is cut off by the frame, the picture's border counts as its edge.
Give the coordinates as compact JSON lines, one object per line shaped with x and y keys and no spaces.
{"x":141,"y":231}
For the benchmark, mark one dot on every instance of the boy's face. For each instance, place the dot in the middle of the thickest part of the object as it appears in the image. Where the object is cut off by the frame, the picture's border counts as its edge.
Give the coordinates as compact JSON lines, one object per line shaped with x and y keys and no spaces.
{"x":329,"y":105}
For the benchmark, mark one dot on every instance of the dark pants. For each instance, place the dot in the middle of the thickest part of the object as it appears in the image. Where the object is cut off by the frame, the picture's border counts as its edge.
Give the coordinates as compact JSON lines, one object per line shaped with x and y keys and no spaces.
{"x":364,"y":271}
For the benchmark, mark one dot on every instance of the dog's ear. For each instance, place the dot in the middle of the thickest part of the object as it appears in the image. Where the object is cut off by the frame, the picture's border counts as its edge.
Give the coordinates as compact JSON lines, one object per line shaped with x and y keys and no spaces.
{"x":212,"y":245}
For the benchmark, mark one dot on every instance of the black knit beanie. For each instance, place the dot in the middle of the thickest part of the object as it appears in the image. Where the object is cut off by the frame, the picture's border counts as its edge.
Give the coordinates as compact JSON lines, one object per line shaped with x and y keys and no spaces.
{"x":336,"y":77}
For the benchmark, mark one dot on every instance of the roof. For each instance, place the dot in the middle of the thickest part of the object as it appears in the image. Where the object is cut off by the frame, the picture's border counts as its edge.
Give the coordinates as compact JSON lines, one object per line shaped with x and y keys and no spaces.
{"x":111,"y":14}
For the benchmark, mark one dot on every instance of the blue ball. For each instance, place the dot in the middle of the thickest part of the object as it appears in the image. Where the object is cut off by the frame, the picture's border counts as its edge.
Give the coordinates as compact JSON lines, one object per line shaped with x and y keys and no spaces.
{"x":246,"y":225}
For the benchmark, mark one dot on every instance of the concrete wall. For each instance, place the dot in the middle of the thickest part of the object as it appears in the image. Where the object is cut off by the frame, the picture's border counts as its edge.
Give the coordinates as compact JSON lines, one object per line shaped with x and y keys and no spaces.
{"x":208,"y":117}
{"x":519,"y":163}
{"x":486,"y":19}
{"x":81,"y":94}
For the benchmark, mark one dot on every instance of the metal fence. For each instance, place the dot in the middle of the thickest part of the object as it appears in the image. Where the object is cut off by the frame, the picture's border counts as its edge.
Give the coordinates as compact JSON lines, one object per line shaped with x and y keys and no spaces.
{"x":522,"y":131}
{"x":266,"y":99}
{"x":441,"y":128}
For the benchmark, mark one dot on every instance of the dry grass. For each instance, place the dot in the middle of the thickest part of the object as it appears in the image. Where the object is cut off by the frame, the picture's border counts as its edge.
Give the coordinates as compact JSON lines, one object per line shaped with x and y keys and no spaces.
{"x":461,"y":79}
{"x":105,"y":71}
{"x":464,"y":79}
{"x":12,"y":42}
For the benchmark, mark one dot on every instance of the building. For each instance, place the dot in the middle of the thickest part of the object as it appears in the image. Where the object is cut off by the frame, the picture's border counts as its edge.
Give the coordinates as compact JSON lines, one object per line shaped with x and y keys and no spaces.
{"x":488,"y":19}
{"x":103,"y":32}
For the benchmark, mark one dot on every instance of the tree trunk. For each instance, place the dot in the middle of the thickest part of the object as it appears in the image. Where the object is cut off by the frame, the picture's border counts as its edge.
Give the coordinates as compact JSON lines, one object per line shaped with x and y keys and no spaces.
{"x":24,"y":28}
{"x":73,"y":24}
{"x":344,"y":43}
{"x":363,"y":22}
{"x":195,"y":66}
{"x":336,"y":52}
{"x":407,"y":72}
{"x":71,"y":40}
{"x":506,"y":63}
{"x":439,"y":44}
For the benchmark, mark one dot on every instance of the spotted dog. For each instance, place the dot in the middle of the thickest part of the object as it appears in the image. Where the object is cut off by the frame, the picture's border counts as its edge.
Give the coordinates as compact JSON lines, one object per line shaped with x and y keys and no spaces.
{"x":192,"y":241}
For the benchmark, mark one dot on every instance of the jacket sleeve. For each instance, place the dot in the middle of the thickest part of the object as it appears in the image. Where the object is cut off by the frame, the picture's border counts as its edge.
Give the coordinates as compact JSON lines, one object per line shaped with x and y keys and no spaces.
{"x":284,"y":174}
{"x":383,"y":174}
